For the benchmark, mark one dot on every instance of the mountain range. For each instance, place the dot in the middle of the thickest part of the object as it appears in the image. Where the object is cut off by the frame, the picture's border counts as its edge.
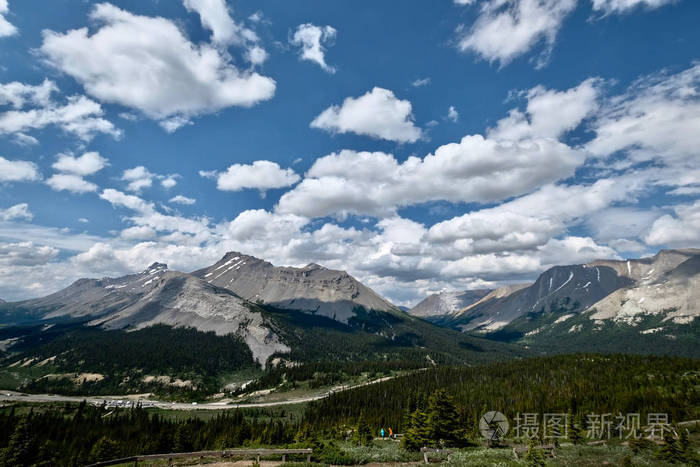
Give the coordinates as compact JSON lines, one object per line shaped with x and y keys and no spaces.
{"x":658,"y":295}
{"x":313,"y":288}
{"x":315,"y":313}
{"x":286,"y":312}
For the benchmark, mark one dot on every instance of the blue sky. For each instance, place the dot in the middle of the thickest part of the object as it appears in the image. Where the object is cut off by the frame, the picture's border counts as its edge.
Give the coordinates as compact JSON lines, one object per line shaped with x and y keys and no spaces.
{"x":435,"y":145}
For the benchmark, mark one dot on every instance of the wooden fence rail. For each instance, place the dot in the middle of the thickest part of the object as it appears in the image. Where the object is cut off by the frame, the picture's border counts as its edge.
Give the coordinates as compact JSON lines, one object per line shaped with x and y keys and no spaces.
{"x":548,"y":450}
{"x":439,"y":452}
{"x":201,"y":454}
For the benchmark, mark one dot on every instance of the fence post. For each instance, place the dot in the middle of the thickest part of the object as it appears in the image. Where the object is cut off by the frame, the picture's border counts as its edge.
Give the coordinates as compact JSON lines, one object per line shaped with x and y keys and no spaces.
{"x":308,"y":458}
{"x":284,"y":458}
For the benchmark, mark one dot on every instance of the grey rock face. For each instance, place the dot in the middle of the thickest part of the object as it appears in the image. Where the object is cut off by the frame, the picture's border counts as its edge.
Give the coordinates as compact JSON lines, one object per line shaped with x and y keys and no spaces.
{"x":178,"y":299}
{"x":160,"y":296}
{"x":313,"y":288}
{"x":674,"y":293}
{"x":614,"y":289}
{"x":95,"y":297}
{"x":446,"y":303}
{"x":220,"y":298}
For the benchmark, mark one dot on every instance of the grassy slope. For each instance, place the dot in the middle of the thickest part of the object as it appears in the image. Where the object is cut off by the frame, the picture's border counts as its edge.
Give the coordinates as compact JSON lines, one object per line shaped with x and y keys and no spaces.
{"x":551,"y":338}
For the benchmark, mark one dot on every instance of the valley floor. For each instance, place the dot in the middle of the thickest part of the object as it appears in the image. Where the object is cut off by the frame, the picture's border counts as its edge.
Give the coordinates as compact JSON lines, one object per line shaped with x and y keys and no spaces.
{"x":272,"y":399}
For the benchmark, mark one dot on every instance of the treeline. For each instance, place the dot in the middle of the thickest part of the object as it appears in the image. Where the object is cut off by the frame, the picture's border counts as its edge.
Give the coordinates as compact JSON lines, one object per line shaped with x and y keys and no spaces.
{"x":371,"y":336}
{"x":158,"y":349}
{"x":579,"y":384}
{"x":78,"y":435}
{"x":124,"y":358}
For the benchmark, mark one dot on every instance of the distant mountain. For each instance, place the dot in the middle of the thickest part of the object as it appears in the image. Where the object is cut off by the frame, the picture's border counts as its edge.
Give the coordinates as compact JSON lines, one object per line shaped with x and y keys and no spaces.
{"x":313,"y":288}
{"x":86,"y":297}
{"x":661,"y":289}
{"x":580,"y":307}
{"x":182,"y":300}
{"x":445,"y":303}
{"x":484,"y":313}
{"x":154,"y":296}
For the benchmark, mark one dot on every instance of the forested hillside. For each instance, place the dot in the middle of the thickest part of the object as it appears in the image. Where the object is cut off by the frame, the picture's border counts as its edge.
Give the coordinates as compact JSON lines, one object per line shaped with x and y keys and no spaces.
{"x":580,"y":384}
{"x":447,"y":399}
{"x":135,"y":361}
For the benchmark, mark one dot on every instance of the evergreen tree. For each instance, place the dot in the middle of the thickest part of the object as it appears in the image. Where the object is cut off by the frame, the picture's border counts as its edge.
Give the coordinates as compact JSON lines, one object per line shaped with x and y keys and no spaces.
{"x":104,"y":449}
{"x":442,"y":422}
{"x":417,"y":434}
{"x":47,"y":455}
{"x":534,"y":456}
{"x":183,"y":438}
{"x":303,"y":434}
{"x":363,"y":433}
{"x":671,"y":451}
{"x":575,"y":431}
{"x":637,"y":445}
{"x":686,"y":448}
{"x":20,"y":450}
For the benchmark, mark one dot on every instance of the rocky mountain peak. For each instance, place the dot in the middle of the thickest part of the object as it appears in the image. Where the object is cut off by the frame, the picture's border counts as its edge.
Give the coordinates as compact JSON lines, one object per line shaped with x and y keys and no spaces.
{"x":155,"y":267}
{"x":312,"y":288}
{"x":447,"y":302}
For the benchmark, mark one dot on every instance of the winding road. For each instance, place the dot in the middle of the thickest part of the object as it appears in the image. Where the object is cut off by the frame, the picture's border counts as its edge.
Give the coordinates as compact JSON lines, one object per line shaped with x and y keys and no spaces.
{"x":127,"y":401}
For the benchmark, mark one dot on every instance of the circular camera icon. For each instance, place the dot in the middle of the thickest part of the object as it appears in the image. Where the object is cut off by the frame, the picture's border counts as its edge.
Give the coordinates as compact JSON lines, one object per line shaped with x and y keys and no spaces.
{"x":493,"y":426}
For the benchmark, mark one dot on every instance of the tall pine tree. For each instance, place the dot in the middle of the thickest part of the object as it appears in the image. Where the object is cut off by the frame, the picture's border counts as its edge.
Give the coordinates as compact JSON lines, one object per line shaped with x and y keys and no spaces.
{"x":416,"y":435}
{"x":443,"y":422}
{"x":363,"y":433}
{"x":20,"y":450}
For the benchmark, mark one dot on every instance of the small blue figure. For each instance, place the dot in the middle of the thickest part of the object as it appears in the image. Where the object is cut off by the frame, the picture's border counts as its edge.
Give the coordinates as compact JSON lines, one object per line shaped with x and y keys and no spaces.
{"x":381,"y":432}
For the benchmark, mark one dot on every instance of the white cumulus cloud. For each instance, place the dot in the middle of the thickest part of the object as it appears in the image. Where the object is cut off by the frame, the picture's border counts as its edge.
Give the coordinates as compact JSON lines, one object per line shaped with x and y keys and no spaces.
{"x":312,"y":41}
{"x":6,"y":28}
{"x":147,"y":63}
{"x":474,"y":170}
{"x":18,"y":171}
{"x":622,"y":6}
{"x":549,"y":113}
{"x":681,"y":229}
{"x":216,"y":16}
{"x":377,"y":113}
{"x":86,"y":164}
{"x":260,"y":175}
{"x":18,"y":211}
{"x":452,"y":114}
{"x":34,"y":109}
{"x":70,"y":182}
{"x":655,"y":119}
{"x":25,"y":254}
{"x":507,"y":29}
{"x":17,"y":94}
{"x":138,"y":177}
{"x":181,"y":199}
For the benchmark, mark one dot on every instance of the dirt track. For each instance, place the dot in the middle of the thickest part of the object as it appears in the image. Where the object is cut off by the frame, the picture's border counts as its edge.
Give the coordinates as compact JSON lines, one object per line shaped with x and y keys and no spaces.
{"x":13,"y":396}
